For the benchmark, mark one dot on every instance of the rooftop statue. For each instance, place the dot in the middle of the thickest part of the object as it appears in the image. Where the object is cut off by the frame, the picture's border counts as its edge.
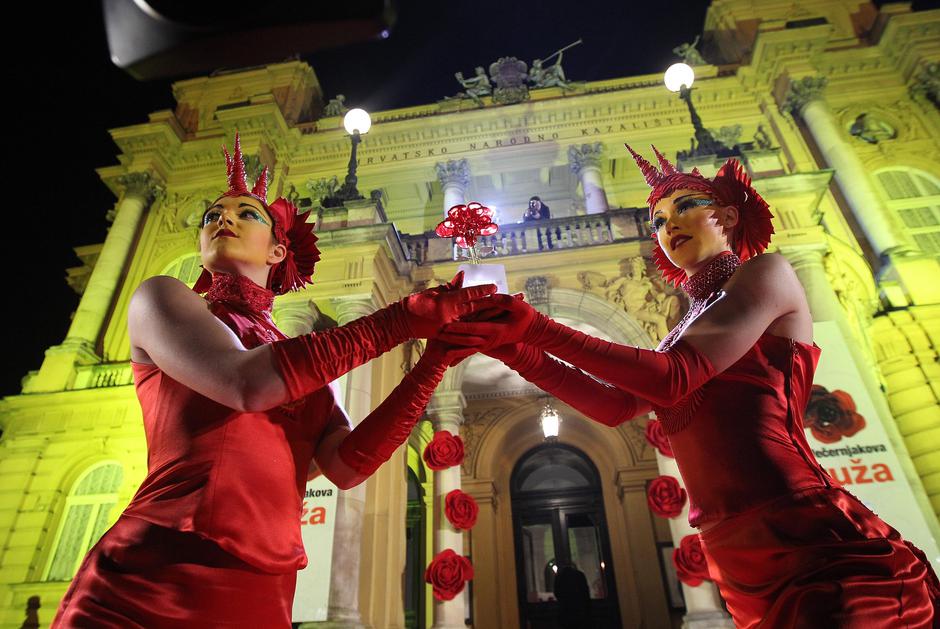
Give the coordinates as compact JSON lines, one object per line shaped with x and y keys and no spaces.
{"x":336,"y":106}
{"x":541,"y":75}
{"x":689,"y":54}
{"x":475,"y":87}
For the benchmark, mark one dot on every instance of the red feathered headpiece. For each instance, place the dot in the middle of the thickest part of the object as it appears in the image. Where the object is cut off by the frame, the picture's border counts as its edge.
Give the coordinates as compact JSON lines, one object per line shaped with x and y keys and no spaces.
{"x":730,"y":186}
{"x":290,"y":229}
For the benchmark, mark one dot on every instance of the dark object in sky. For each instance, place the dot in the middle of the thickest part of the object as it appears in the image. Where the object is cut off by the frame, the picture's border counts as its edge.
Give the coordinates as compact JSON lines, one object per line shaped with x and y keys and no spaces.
{"x":154,"y":39}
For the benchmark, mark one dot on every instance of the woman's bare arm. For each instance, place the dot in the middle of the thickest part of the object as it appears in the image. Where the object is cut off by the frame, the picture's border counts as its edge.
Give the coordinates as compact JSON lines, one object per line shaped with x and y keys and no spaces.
{"x":173,"y":327}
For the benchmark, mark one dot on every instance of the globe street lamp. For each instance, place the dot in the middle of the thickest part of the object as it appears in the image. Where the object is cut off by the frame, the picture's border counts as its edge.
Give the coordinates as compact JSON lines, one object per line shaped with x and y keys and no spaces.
{"x":357,"y":123}
{"x":679,"y":78}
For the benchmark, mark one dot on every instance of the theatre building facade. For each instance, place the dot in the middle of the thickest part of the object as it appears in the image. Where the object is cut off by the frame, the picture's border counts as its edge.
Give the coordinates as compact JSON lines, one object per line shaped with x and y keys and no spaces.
{"x":832,"y":108}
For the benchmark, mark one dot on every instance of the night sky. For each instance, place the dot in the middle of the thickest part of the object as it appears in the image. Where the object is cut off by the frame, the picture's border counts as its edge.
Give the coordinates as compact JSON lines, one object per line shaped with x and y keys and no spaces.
{"x":65,"y":94}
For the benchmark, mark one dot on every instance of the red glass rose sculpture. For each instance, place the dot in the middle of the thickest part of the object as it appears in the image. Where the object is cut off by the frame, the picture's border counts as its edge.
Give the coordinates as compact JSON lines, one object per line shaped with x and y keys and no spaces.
{"x":831,"y":415}
{"x":689,"y":560}
{"x":657,"y":438}
{"x":464,"y":223}
{"x":443,"y":451}
{"x":461,"y":509}
{"x":447,"y":573}
{"x":665,"y":496}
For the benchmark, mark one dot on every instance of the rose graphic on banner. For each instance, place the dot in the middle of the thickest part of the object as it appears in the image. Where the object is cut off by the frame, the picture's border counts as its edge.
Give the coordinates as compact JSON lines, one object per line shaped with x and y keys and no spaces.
{"x":689,"y":560}
{"x":831,"y":415}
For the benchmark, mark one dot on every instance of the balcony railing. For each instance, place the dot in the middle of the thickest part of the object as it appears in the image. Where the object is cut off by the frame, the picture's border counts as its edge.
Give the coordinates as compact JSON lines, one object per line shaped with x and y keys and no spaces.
{"x":569,"y":232}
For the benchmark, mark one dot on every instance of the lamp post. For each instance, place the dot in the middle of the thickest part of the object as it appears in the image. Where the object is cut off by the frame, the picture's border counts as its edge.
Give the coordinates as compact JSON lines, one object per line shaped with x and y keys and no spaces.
{"x":550,"y":421}
{"x":679,"y":78}
{"x":357,"y":123}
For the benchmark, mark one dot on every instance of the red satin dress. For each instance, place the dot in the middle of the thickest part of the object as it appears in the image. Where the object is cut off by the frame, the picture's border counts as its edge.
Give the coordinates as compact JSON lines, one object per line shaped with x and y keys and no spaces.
{"x":212,"y":537}
{"x":785,"y":544}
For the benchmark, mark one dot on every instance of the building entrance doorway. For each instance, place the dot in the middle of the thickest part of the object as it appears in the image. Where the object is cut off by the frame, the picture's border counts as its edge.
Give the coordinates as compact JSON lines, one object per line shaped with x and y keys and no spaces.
{"x":563,"y":569}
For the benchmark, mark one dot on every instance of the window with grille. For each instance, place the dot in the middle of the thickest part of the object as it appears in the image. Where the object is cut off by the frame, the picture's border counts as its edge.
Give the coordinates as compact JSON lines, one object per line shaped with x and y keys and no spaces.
{"x":914,"y":197}
{"x":186,"y":269}
{"x":85,"y":519}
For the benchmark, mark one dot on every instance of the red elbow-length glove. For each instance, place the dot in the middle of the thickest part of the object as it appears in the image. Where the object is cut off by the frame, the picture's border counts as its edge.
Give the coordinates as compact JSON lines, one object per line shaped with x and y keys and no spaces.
{"x":598,"y":400}
{"x":311,"y":361}
{"x":662,"y":378}
{"x":377,"y":436}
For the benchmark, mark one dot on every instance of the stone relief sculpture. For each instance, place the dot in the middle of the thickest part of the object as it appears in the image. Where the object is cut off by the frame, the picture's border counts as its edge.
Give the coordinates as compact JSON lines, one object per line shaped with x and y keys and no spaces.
{"x":510,"y":76}
{"x":639,"y":296}
{"x":872,"y":128}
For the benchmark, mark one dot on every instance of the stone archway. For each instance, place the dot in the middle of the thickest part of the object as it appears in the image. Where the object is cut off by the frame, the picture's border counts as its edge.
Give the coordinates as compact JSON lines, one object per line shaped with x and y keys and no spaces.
{"x":499,"y":430}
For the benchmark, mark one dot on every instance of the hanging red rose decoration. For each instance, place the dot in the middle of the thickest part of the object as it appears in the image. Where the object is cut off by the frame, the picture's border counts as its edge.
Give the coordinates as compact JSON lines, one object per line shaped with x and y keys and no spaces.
{"x":461,"y":510}
{"x":689,"y":560}
{"x":657,"y":438}
{"x":665,"y":496}
{"x":447,"y":573}
{"x":464,"y":223}
{"x":443,"y":451}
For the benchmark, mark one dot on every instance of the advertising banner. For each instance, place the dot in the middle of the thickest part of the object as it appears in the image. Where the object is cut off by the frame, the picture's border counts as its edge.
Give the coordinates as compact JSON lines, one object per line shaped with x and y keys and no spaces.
{"x":317,"y":521}
{"x":850,"y":442}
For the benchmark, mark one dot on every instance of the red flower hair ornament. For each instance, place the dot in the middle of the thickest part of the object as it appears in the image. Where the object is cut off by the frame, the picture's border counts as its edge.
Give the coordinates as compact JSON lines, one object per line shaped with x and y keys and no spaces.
{"x":290,"y":229}
{"x":730,"y":186}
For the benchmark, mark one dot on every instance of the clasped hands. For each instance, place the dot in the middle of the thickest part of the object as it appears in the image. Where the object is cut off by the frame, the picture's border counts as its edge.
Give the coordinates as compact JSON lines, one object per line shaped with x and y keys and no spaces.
{"x":463,"y":321}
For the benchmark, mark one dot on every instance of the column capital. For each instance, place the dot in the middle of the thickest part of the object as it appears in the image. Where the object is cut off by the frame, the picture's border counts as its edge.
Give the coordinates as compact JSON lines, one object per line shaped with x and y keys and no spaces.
{"x":800,"y":92}
{"x":140,"y":184}
{"x":446,"y":408}
{"x":585,"y":156}
{"x":351,"y":308}
{"x":453,"y":172}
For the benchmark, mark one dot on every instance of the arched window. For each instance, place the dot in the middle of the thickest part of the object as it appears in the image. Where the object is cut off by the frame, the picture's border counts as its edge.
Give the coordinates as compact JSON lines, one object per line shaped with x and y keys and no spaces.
{"x":85,"y":519}
{"x":914,"y":197}
{"x":186,"y":269}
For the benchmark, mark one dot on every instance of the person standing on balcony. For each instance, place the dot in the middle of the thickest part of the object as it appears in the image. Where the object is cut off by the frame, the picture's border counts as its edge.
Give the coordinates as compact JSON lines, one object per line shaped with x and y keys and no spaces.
{"x":237,"y":417}
{"x":537,"y":211}
{"x":786,"y":545}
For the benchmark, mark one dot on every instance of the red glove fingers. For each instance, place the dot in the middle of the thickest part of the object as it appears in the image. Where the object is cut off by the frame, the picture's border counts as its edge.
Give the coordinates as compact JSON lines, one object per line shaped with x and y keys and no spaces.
{"x":509,"y":328}
{"x":428,"y":310}
{"x":377,"y":436}
{"x":598,"y":400}
{"x":663,"y":378}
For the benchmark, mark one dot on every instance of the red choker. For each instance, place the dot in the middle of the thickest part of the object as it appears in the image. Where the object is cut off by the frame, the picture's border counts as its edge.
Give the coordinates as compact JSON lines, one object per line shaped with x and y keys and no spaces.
{"x":240,"y":291}
{"x":712,"y":277}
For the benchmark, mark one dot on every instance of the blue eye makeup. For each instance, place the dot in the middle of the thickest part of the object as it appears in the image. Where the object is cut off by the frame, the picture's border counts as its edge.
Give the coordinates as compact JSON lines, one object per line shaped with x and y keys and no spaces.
{"x":659,"y":221}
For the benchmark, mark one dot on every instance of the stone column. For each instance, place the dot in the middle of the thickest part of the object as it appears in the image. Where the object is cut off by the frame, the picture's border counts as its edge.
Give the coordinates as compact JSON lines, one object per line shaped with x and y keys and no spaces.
{"x":585,"y":162}
{"x":446,"y":411}
{"x":804,"y":99}
{"x":78,"y":347}
{"x":454,"y":176}
{"x":702,"y":602}
{"x":343,"y":608}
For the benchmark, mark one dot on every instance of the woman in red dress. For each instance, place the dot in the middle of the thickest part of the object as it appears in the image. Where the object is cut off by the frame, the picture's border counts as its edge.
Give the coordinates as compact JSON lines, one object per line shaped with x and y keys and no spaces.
{"x":785,"y":544}
{"x":237,"y":418}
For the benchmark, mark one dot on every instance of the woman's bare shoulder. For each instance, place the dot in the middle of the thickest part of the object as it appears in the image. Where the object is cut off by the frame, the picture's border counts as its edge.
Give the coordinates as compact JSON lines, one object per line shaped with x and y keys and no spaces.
{"x":768,"y":270}
{"x":157,"y":293}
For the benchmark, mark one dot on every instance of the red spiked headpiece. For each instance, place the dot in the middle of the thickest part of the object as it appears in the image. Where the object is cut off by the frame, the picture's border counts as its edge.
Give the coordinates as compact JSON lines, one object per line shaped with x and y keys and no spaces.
{"x":290,"y":229}
{"x":730,"y":186}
